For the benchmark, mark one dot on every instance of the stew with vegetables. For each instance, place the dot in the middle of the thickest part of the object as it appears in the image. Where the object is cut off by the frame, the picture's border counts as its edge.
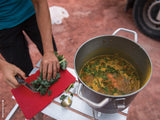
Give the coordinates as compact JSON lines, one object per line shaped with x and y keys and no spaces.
{"x":111,"y":75}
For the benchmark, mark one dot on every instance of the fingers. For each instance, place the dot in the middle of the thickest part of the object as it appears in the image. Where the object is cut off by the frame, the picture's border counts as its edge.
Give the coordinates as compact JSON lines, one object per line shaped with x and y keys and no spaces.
{"x":55,"y":70}
{"x":49,"y":69}
{"x":49,"y":65}
{"x":44,"y":69}
{"x":58,"y":66}
{"x":9,"y":73}
{"x":12,"y":85}
{"x":20,"y":73}
{"x":13,"y":82}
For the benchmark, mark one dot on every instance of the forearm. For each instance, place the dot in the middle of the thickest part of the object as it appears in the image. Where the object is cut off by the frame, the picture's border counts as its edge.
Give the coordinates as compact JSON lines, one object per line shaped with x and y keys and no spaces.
{"x":49,"y":64}
{"x":44,"y":24}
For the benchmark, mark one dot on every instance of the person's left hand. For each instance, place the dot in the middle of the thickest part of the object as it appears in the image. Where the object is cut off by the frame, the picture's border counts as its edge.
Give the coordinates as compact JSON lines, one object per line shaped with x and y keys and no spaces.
{"x":49,"y":65}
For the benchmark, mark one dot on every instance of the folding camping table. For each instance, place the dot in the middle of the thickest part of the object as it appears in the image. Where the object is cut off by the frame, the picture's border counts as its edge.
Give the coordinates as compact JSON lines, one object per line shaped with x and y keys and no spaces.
{"x":79,"y":110}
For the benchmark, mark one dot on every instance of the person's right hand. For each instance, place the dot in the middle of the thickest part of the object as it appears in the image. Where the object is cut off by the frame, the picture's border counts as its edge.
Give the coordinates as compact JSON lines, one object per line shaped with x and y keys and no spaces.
{"x":9,"y":72}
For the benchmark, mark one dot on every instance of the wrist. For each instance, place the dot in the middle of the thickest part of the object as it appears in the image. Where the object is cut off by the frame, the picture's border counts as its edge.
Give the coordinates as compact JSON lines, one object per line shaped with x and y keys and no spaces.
{"x":2,"y":63}
{"x":48,"y":51}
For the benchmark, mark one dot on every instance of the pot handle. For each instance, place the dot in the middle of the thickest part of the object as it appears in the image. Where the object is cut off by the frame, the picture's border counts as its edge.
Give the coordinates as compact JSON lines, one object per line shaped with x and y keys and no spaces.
{"x":95,"y":105}
{"x":127,"y":30}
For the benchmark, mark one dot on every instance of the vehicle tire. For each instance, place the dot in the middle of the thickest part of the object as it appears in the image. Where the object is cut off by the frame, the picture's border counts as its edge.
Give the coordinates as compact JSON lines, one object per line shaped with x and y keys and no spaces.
{"x":146,"y":14}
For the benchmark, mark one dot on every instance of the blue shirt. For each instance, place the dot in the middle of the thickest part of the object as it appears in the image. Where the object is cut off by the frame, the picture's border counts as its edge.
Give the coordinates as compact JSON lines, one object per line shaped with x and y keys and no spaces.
{"x":14,"y":12}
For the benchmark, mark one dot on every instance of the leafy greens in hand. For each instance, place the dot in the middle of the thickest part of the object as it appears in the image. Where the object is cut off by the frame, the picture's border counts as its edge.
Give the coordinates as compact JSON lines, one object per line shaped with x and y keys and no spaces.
{"x":41,"y":85}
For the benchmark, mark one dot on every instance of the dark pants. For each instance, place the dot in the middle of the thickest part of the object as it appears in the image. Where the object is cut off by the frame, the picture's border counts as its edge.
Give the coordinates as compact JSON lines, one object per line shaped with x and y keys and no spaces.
{"x":14,"y":47}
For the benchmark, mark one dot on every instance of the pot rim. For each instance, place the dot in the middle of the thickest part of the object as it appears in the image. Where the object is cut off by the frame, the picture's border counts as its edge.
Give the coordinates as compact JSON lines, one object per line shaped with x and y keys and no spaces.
{"x":112,"y":96}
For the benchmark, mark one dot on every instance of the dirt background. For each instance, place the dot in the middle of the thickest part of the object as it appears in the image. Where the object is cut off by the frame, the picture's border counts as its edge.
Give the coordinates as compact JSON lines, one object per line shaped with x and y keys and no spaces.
{"x":90,"y":18}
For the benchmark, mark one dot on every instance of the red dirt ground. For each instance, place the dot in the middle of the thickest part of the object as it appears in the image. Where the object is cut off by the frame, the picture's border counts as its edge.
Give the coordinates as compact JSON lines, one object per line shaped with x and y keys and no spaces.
{"x":90,"y":18}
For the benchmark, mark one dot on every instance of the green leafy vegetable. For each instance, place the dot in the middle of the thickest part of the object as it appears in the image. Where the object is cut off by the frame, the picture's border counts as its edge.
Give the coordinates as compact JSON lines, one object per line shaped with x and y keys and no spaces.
{"x":49,"y":92}
{"x":71,"y":94}
{"x":63,"y":63}
{"x":66,"y":92}
{"x":41,"y":85}
{"x":43,"y":91}
{"x":106,"y":89}
{"x":70,"y":86}
{"x":63,"y":97}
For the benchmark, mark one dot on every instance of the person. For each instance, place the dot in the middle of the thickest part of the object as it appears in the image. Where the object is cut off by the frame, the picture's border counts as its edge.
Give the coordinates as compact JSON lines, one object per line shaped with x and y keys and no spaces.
{"x":33,"y":18}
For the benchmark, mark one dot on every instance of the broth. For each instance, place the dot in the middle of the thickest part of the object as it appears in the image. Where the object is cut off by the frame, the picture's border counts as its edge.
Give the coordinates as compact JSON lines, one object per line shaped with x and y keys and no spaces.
{"x":111,"y":75}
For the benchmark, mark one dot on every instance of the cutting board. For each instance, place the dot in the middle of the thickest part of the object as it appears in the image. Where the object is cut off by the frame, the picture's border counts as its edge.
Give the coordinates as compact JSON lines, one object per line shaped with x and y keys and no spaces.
{"x":31,"y":103}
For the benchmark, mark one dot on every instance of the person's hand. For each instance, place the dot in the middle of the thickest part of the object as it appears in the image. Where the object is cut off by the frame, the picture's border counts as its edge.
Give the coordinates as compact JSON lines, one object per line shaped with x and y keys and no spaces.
{"x":9,"y":72}
{"x":49,"y":65}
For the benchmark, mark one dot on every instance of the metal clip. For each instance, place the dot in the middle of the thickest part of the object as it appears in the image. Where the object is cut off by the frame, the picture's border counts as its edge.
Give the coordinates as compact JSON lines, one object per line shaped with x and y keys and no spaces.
{"x":120,"y":103}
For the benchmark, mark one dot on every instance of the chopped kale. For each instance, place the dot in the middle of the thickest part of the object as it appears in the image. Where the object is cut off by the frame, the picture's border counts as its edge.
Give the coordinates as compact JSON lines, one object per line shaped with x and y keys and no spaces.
{"x":115,"y":90}
{"x":49,"y":92}
{"x":43,"y":91}
{"x":104,"y":77}
{"x":41,"y":85}
{"x":105,"y":89}
{"x":111,"y":69}
{"x":39,"y":88}
{"x":71,"y":94}
{"x":63,"y":64}
{"x":45,"y":83}
{"x":63,"y":97}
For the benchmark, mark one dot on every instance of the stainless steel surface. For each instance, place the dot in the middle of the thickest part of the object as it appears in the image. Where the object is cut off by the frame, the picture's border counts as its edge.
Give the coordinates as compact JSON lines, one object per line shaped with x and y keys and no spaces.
{"x":92,"y":103}
{"x":127,"y":30}
{"x":111,"y":44}
{"x":67,"y":101}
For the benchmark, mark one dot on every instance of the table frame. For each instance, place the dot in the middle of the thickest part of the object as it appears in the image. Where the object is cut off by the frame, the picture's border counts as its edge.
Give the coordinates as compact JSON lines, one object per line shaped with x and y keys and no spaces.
{"x":79,"y":110}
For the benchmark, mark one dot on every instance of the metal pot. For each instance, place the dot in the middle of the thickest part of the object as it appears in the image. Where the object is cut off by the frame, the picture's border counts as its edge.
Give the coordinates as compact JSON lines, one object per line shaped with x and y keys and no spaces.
{"x":110,"y":44}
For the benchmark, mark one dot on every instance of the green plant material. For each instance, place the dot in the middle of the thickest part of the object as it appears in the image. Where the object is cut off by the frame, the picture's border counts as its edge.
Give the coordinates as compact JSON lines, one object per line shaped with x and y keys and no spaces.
{"x":43,"y":91}
{"x":70,"y":86}
{"x":60,"y":57}
{"x":115,"y":90}
{"x":49,"y":92}
{"x":66,"y":91}
{"x":57,"y":76}
{"x":45,"y":83}
{"x":41,"y":85}
{"x":63,"y":63}
{"x":111,"y":69}
{"x":39,"y":88}
{"x":52,"y":81}
{"x":63,"y":97}
{"x":106,"y":89}
{"x":71,"y":94}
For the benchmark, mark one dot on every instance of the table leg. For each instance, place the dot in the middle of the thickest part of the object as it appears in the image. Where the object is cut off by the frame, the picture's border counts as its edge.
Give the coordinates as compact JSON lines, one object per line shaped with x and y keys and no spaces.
{"x":14,"y":109}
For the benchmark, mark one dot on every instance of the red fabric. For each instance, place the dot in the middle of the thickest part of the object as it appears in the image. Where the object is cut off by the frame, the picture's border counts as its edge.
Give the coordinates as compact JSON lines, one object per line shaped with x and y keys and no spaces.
{"x":32,"y":103}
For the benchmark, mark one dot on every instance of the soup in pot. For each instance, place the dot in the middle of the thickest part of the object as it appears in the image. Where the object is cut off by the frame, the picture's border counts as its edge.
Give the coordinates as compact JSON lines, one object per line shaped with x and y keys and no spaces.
{"x":111,"y":75}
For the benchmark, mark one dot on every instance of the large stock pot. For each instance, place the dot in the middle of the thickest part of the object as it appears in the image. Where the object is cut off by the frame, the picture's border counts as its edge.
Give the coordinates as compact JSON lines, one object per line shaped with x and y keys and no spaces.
{"x":110,"y":44}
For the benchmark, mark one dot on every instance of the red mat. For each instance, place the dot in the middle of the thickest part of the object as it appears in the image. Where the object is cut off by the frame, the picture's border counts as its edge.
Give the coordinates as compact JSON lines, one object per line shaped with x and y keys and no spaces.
{"x":32,"y":103}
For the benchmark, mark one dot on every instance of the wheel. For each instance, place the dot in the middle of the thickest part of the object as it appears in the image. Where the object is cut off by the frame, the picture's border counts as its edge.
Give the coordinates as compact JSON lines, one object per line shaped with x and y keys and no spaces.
{"x":147,"y":17}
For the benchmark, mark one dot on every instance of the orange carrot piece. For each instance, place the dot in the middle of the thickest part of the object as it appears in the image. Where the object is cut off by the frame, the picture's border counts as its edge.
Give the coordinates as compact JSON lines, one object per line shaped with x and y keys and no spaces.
{"x":110,"y":75}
